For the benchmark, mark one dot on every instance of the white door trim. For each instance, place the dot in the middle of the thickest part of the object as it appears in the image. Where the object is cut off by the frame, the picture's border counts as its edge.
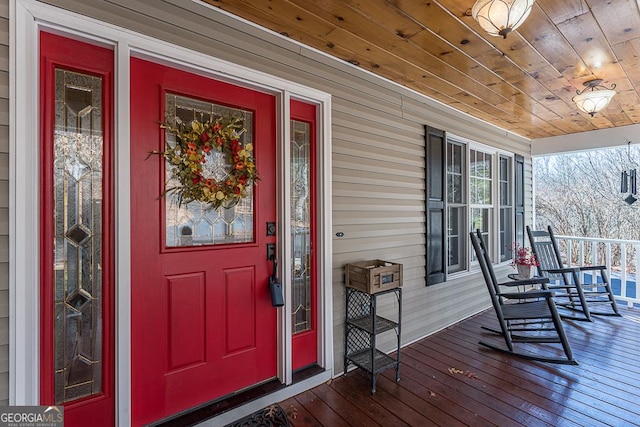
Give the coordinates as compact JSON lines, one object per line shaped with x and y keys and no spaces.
{"x":27,"y":17}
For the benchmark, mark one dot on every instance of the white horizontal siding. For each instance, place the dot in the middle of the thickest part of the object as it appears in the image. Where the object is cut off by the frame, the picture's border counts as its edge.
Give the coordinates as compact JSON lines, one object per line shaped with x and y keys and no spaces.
{"x":378,"y":150}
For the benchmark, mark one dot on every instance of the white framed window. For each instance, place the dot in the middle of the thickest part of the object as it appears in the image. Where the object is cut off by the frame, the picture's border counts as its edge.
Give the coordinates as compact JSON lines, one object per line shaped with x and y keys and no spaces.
{"x":456,"y":206}
{"x":480,"y":195}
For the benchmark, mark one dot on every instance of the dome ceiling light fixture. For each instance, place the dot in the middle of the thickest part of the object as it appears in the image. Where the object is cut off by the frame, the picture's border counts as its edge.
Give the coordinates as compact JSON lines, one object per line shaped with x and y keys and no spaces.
{"x":594,"y":100}
{"x":500,"y":17}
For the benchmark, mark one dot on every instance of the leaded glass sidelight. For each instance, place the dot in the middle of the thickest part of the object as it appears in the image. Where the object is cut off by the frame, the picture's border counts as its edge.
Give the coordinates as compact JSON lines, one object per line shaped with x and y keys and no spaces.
{"x":197,"y":223}
{"x":77,"y":178}
{"x":301,"y":225}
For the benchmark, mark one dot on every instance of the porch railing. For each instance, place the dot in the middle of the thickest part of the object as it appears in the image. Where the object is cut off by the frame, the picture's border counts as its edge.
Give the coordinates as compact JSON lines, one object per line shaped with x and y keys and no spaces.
{"x":622,"y":258}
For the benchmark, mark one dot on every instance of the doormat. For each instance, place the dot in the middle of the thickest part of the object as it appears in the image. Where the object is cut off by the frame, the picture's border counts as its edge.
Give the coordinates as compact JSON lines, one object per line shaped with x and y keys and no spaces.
{"x":272,"y":415}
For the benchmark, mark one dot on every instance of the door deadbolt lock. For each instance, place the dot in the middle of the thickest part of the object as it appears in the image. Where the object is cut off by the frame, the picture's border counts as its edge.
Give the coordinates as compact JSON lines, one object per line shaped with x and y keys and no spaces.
{"x":271,"y":228}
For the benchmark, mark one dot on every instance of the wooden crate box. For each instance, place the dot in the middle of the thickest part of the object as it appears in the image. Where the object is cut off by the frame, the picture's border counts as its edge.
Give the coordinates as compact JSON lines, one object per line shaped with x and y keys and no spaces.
{"x":373,"y":276}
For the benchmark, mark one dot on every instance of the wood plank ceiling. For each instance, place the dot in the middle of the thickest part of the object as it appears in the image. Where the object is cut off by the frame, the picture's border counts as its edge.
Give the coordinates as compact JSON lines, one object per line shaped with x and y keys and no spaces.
{"x":523,"y":83}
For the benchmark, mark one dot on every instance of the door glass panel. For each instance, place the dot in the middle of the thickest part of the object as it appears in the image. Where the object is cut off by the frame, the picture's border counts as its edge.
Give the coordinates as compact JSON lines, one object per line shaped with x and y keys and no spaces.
{"x":301,"y":225}
{"x":78,"y":160}
{"x":197,"y":223}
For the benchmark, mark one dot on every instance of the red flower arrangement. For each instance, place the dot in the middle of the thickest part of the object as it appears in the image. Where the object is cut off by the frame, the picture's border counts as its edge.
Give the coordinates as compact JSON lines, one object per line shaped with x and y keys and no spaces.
{"x":523,"y":256}
{"x":194,"y":141}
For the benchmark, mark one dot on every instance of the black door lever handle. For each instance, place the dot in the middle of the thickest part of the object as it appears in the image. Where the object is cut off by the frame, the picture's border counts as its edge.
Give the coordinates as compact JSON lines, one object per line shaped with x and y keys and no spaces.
{"x":275,"y":286}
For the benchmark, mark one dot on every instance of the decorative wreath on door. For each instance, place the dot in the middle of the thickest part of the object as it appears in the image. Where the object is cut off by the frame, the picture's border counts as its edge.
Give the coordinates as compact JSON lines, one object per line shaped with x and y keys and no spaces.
{"x":194,"y":141}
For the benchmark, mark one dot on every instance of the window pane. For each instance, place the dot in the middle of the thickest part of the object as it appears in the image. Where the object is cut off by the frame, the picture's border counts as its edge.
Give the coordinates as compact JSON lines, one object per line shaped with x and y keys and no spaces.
{"x":486,"y":192}
{"x":504,"y":169}
{"x":457,"y":239}
{"x":455,"y":189}
{"x":301,"y":225}
{"x":196,"y":223}
{"x":504,"y":193}
{"x":455,"y":159}
{"x":473,"y":191}
{"x":480,"y":178}
{"x":77,"y":269}
{"x":481,"y":220}
{"x":455,"y":178}
{"x":484,"y":165}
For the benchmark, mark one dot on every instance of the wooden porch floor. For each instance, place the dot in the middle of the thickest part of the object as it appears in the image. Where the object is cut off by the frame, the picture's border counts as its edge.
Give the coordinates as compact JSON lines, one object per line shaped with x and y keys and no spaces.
{"x":448,"y":380}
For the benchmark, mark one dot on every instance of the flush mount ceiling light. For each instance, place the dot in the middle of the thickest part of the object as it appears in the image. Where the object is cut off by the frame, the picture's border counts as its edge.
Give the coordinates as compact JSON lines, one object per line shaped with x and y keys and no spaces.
{"x":594,"y":100}
{"x":500,"y":17}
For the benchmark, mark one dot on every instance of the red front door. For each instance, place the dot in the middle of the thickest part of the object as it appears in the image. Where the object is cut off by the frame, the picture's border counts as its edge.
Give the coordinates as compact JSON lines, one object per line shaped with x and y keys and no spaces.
{"x":202,"y":321}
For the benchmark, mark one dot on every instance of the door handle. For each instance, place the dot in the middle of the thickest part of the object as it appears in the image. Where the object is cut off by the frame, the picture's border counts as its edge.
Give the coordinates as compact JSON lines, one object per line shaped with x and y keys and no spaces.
{"x":275,"y":286}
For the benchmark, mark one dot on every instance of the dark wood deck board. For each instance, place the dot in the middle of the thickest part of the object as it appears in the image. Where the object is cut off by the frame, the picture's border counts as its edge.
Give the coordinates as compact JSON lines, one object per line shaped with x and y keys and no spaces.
{"x":393,"y":403}
{"x":491,"y":388}
{"x":474,"y":389}
{"x":320,"y":410}
{"x":454,"y":390}
{"x":516,"y":387}
{"x":609,"y":380}
{"x":358,"y":391}
{"x":520,"y":395}
{"x":347,"y":411}
{"x":298,"y":415}
{"x":541,"y":382}
{"x":414,"y":396}
{"x":598,"y":377}
{"x":563,"y":378}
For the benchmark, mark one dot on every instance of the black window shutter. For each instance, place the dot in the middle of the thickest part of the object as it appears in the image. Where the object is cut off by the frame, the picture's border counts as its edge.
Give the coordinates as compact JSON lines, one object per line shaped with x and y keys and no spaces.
{"x":519,"y":200}
{"x":435,"y":209}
